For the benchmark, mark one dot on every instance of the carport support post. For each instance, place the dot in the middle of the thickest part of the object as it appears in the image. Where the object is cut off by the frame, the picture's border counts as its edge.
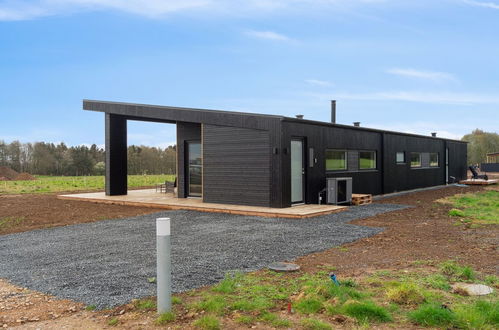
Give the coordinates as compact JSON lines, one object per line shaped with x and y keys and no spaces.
{"x":163,"y":259}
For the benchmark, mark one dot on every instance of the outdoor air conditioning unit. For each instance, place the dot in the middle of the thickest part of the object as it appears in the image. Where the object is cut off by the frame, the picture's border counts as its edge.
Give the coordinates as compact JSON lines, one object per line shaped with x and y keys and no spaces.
{"x":339,"y":190}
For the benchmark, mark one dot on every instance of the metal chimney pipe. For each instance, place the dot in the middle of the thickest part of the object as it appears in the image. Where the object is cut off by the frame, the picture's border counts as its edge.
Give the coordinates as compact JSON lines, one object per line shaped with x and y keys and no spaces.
{"x":434,"y":134}
{"x":299,"y":116}
{"x":356,"y":123}
{"x":333,"y":111}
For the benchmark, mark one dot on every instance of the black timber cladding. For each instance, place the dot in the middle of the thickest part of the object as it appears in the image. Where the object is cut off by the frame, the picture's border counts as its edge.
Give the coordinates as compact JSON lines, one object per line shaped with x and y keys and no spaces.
{"x":236,"y":165}
{"x":116,"y":155}
{"x":386,"y":177}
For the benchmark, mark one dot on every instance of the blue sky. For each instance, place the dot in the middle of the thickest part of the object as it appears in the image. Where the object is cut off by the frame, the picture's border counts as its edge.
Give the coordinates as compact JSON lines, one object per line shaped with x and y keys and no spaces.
{"x":414,"y":66}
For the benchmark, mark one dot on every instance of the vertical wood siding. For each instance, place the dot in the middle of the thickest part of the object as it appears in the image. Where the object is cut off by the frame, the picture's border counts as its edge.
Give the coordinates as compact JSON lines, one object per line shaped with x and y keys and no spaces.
{"x":236,"y":165}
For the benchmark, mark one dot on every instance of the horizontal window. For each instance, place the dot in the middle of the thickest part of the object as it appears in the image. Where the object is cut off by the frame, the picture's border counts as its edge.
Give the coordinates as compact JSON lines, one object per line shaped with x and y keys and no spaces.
{"x":415,"y":159}
{"x":400,"y":157}
{"x":367,"y":160}
{"x":336,"y":160}
{"x":434,"y":159}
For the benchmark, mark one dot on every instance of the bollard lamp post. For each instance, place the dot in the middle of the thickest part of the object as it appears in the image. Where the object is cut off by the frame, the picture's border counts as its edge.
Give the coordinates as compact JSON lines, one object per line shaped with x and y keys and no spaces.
{"x":163,"y":265}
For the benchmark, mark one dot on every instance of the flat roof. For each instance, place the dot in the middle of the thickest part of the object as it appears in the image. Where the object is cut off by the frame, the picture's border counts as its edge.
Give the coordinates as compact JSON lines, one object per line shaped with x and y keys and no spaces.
{"x":171,"y":114}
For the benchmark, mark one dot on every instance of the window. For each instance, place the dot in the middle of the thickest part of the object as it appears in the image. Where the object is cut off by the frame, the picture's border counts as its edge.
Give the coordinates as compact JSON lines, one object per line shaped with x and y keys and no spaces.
{"x":367,"y":160}
{"x":400,"y":157}
{"x":434,"y":159}
{"x":415,"y":159}
{"x":336,"y":160}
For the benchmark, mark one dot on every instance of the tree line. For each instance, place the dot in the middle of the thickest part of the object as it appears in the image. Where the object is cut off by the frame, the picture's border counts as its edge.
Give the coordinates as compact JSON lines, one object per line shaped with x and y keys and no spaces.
{"x":43,"y":158}
{"x":481,"y":143}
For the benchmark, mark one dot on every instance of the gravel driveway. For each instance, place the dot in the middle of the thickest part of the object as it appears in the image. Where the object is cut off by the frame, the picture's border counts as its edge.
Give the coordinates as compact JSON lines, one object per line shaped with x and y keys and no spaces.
{"x":107,"y":263}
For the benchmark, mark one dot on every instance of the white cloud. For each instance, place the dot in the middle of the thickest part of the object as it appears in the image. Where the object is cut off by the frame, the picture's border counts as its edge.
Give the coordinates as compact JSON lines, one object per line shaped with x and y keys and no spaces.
{"x":317,"y":82}
{"x":420,"y":97}
{"x":268,"y":35}
{"x":25,"y":10}
{"x":11,"y":10}
{"x":491,"y":5}
{"x":420,"y":74}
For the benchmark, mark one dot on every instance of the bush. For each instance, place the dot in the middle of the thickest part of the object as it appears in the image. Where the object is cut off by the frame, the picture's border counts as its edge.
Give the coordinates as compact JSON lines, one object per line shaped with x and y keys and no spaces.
{"x":207,"y":322}
{"x":367,"y":311}
{"x":432,"y":315}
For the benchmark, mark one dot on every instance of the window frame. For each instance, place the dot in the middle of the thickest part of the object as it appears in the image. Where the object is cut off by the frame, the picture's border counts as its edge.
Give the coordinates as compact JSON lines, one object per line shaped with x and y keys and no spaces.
{"x":375,"y":160}
{"x":404,"y":161}
{"x":438,"y":159}
{"x":345,"y":153}
{"x":420,"y":160}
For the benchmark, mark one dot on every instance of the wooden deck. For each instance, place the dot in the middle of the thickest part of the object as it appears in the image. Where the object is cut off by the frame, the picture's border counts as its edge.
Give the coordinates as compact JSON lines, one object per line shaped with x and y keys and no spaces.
{"x":151,"y":198}
{"x":478,"y":182}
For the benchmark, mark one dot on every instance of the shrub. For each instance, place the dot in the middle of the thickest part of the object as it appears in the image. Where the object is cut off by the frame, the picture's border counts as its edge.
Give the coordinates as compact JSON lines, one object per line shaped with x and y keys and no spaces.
{"x":309,"y":305}
{"x":432,"y":315}
{"x":367,"y":311}
{"x":314,"y":324}
{"x":165,"y":318}
{"x":406,"y":294}
{"x":207,"y":322}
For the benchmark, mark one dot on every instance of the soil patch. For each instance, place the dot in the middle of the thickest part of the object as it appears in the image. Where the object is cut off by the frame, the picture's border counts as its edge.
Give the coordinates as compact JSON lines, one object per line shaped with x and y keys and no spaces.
{"x":25,"y":177}
{"x":8,"y":173}
{"x":45,"y":210}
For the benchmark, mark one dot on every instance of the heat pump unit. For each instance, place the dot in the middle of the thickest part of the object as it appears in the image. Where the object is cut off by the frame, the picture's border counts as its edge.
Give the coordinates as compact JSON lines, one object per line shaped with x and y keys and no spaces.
{"x":339,"y":190}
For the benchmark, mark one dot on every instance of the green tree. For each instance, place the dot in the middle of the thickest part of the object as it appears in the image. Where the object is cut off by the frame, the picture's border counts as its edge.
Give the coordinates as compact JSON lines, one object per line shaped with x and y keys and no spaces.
{"x":481,"y":143}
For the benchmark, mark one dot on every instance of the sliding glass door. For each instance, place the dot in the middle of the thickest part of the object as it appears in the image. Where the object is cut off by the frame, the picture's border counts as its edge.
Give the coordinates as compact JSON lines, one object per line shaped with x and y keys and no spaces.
{"x":194,"y":169}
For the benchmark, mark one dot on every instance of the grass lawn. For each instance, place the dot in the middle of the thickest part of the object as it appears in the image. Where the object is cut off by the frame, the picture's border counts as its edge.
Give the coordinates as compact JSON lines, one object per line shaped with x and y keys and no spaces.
{"x":475,"y":209}
{"x":421,"y":296}
{"x":49,"y":184}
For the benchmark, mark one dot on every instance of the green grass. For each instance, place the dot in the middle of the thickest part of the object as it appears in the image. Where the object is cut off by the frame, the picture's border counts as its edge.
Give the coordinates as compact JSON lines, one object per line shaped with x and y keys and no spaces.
{"x":207,"y":322}
{"x":213,"y":304}
{"x":456,"y":272}
{"x":274,"y":320}
{"x":309,"y":306}
{"x":165,"y":318}
{"x":50,"y":184}
{"x":479,"y":315}
{"x":113,"y":322}
{"x":481,"y":207}
{"x":432,"y":315}
{"x":367,"y":312}
{"x":406,"y":293}
{"x":437,"y":281}
{"x":7,"y":222}
{"x":145,"y":304}
{"x":314,"y":324}
{"x":245,"y":319}
{"x":176,"y":300}
{"x":90,"y":308}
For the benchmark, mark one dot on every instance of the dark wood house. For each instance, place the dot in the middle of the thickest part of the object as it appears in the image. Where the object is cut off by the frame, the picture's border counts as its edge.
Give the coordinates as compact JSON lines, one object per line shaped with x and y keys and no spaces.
{"x":276,"y":161}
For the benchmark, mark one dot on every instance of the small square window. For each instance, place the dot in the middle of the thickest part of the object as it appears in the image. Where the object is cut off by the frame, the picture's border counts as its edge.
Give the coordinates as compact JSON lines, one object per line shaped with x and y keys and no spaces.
{"x":400,"y":157}
{"x":415,"y":159}
{"x":336,"y":160}
{"x":434,"y":159}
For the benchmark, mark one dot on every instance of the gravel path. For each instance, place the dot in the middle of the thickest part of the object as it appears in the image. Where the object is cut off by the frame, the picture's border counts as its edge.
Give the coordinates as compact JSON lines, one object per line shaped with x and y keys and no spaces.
{"x":107,"y":263}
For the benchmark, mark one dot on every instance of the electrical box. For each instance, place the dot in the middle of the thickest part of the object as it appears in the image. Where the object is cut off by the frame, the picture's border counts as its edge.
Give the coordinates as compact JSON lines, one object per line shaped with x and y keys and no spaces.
{"x":339,"y":190}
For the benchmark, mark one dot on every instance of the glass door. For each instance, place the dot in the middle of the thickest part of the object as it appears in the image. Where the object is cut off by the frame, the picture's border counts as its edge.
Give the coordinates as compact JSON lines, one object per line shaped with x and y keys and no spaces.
{"x":297,"y":171}
{"x":194,"y":169}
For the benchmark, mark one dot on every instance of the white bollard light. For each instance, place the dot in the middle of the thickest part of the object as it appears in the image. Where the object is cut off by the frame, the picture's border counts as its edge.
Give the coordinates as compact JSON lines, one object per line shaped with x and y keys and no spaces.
{"x":163,"y":265}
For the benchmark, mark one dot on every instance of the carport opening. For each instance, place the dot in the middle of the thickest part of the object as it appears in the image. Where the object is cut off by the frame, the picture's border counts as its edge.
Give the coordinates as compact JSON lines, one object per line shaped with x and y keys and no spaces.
{"x":151,"y":152}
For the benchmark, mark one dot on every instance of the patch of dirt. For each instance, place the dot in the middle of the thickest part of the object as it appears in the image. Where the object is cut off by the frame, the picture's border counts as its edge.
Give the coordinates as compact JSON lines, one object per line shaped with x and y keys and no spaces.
{"x":8,"y":173}
{"x":25,"y":177}
{"x":424,"y":232}
{"x":45,"y":210}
